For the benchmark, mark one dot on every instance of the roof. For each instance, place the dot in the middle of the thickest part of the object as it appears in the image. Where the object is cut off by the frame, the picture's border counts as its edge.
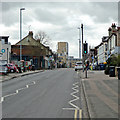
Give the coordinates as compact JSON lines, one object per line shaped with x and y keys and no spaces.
{"x":23,"y":39}
{"x":105,"y":38}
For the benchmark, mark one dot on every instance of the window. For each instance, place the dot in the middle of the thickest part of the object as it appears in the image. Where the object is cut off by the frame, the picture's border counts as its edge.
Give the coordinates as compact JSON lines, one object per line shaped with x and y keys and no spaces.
{"x":3,"y":41}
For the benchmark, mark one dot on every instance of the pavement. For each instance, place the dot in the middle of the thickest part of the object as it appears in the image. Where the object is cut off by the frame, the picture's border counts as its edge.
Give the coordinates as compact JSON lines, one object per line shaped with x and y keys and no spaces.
{"x":10,"y":76}
{"x":101,"y":93}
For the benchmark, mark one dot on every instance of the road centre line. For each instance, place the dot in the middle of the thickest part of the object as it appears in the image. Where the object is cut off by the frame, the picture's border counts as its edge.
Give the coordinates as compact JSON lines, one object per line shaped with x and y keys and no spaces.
{"x":2,"y":99}
{"x":16,"y":91}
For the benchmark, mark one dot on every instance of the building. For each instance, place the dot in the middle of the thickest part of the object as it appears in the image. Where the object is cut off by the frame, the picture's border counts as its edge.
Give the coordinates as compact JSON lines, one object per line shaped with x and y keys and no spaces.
{"x":62,"y":52}
{"x":72,"y":61}
{"x":5,"y":49}
{"x":113,"y":40}
{"x":33,"y":51}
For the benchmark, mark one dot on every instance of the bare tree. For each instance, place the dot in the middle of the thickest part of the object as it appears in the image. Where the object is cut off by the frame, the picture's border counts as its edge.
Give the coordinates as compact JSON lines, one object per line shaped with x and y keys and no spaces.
{"x":43,"y":38}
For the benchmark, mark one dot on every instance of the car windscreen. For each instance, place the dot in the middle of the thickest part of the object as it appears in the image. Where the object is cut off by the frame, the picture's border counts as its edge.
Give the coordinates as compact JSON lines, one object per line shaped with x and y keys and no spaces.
{"x":79,"y":63}
{"x":3,"y":65}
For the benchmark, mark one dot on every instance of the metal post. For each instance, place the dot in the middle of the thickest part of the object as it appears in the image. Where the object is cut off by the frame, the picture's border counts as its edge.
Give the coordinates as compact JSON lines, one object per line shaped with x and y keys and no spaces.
{"x":79,"y":44}
{"x":86,"y":73}
{"x":7,"y":55}
{"x":82,"y":47}
{"x":21,"y":35}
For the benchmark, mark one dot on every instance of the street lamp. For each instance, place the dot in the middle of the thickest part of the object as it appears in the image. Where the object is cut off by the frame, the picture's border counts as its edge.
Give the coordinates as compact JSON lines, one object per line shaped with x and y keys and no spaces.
{"x":79,"y":44}
{"x":21,"y":34}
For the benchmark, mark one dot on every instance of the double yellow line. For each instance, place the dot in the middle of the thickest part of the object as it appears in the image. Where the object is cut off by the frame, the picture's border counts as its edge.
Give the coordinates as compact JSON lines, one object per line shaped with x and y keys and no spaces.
{"x":78,"y":114}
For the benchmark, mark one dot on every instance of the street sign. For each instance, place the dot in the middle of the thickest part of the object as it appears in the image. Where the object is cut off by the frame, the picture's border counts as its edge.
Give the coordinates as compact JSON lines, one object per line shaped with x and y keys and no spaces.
{"x":3,"y":50}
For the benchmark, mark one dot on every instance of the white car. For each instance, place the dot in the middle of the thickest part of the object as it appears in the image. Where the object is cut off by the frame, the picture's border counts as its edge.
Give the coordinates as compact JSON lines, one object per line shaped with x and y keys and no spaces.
{"x":4,"y":69}
{"x":78,"y":66}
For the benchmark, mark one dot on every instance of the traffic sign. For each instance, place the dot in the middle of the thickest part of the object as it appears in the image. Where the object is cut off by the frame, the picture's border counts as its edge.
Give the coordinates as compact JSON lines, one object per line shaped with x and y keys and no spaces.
{"x":3,"y":50}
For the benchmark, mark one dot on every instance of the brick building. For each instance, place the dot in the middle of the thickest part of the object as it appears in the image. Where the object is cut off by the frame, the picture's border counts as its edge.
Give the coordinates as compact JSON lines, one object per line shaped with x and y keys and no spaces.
{"x":32,"y":50}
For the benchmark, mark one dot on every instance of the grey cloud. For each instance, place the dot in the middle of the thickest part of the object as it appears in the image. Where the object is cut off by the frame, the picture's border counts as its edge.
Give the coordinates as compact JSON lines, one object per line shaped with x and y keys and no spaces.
{"x":47,"y":16}
{"x":102,"y":10}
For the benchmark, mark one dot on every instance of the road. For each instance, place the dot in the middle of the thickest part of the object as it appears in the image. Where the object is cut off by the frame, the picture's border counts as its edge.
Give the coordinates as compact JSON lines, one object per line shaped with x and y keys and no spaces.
{"x":49,"y":94}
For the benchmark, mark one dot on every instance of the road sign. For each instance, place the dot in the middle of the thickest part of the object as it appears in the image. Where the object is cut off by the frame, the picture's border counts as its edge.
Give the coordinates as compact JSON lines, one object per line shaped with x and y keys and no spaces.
{"x":3,"y":50}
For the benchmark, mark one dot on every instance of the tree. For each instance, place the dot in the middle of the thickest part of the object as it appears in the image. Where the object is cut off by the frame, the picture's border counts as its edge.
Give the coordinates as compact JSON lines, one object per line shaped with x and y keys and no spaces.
{"x":43,"y":38}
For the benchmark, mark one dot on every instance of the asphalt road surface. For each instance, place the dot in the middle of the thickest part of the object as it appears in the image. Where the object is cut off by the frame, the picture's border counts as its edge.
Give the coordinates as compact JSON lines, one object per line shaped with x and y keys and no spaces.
{"x":49,"y":94}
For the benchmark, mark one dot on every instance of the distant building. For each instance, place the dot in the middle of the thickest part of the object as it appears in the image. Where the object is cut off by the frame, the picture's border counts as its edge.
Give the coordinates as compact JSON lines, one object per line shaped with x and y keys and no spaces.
{"x":5,"y":49}
{"x":62,"y":52}
{"x":32,"y":50}
{"x":72,"y":61}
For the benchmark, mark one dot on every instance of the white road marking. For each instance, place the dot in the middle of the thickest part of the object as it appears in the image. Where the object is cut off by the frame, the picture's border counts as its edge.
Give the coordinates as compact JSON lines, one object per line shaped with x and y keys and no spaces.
{"x":9,"y":95}
{"x":27,"y":86}
{"x":69,"y":109}
{"x":1,"y":99}
{"x":17,"y":91}
{"x":75,"y":97}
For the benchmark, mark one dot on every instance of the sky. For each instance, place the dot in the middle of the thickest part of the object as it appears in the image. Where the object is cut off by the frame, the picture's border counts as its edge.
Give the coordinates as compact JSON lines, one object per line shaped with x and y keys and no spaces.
{"x":60,"y":21}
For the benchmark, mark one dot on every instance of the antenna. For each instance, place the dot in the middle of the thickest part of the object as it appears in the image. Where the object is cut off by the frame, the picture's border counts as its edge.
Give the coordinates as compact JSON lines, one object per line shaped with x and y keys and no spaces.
{"x":29,"y":27}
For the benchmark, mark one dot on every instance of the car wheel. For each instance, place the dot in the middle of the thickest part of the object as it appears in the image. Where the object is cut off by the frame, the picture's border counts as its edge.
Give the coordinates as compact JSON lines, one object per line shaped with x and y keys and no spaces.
{"x":11,"y":71}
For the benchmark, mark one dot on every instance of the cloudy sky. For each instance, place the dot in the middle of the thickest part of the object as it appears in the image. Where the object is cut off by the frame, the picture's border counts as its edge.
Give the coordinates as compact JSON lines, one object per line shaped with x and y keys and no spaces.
{"x":60,"y":21}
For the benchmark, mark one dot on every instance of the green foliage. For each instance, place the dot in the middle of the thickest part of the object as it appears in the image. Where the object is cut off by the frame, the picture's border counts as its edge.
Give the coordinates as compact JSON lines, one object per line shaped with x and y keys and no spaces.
{"x":118,"y":60}
{"x":112,"y":61}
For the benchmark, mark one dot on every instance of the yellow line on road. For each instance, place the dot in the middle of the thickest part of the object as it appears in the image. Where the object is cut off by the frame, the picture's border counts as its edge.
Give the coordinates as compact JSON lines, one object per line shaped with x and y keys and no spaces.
{"x":75,"y":115}
{"x":80,"y":114}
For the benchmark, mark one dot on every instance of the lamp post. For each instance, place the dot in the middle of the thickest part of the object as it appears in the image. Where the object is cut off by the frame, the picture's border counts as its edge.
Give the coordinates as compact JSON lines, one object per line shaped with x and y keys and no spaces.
{"x":21,"y":34}
{"x":79,"y":44}
{"x":82,"y":47}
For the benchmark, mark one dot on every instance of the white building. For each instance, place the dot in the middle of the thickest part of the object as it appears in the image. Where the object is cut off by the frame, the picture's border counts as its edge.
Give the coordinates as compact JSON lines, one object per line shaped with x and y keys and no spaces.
{"x":113,"y":40}
{"x":5,"y":49}
{"x":102,"y":50}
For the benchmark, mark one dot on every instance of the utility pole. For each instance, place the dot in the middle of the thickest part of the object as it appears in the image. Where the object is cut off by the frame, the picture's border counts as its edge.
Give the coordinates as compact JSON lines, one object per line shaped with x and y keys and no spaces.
{"x":79,"y":44}
{"x":82,"y":47}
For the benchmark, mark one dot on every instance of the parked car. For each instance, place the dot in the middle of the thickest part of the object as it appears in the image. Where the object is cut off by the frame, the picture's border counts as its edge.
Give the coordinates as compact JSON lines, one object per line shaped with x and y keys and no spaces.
{"x":12,"y":68}
{"x":78,"y":66}
{"x":4,"y":69}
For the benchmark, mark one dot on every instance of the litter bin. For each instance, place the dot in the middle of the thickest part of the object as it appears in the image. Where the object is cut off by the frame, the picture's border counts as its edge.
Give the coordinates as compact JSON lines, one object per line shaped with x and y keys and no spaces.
{"x":24,"y":69}
{"x":112,"y":71}
{"x":19,"y":69}
{"x":118,"y":69}
{"x":33,"y":67}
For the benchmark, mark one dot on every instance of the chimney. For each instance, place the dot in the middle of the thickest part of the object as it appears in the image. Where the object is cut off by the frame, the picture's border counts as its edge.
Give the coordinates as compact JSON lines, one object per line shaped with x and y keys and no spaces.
{"x":113,"y":27}
{"x":109,"y":31}
{"x":31,"y":34}
{"x":38,"y":40}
